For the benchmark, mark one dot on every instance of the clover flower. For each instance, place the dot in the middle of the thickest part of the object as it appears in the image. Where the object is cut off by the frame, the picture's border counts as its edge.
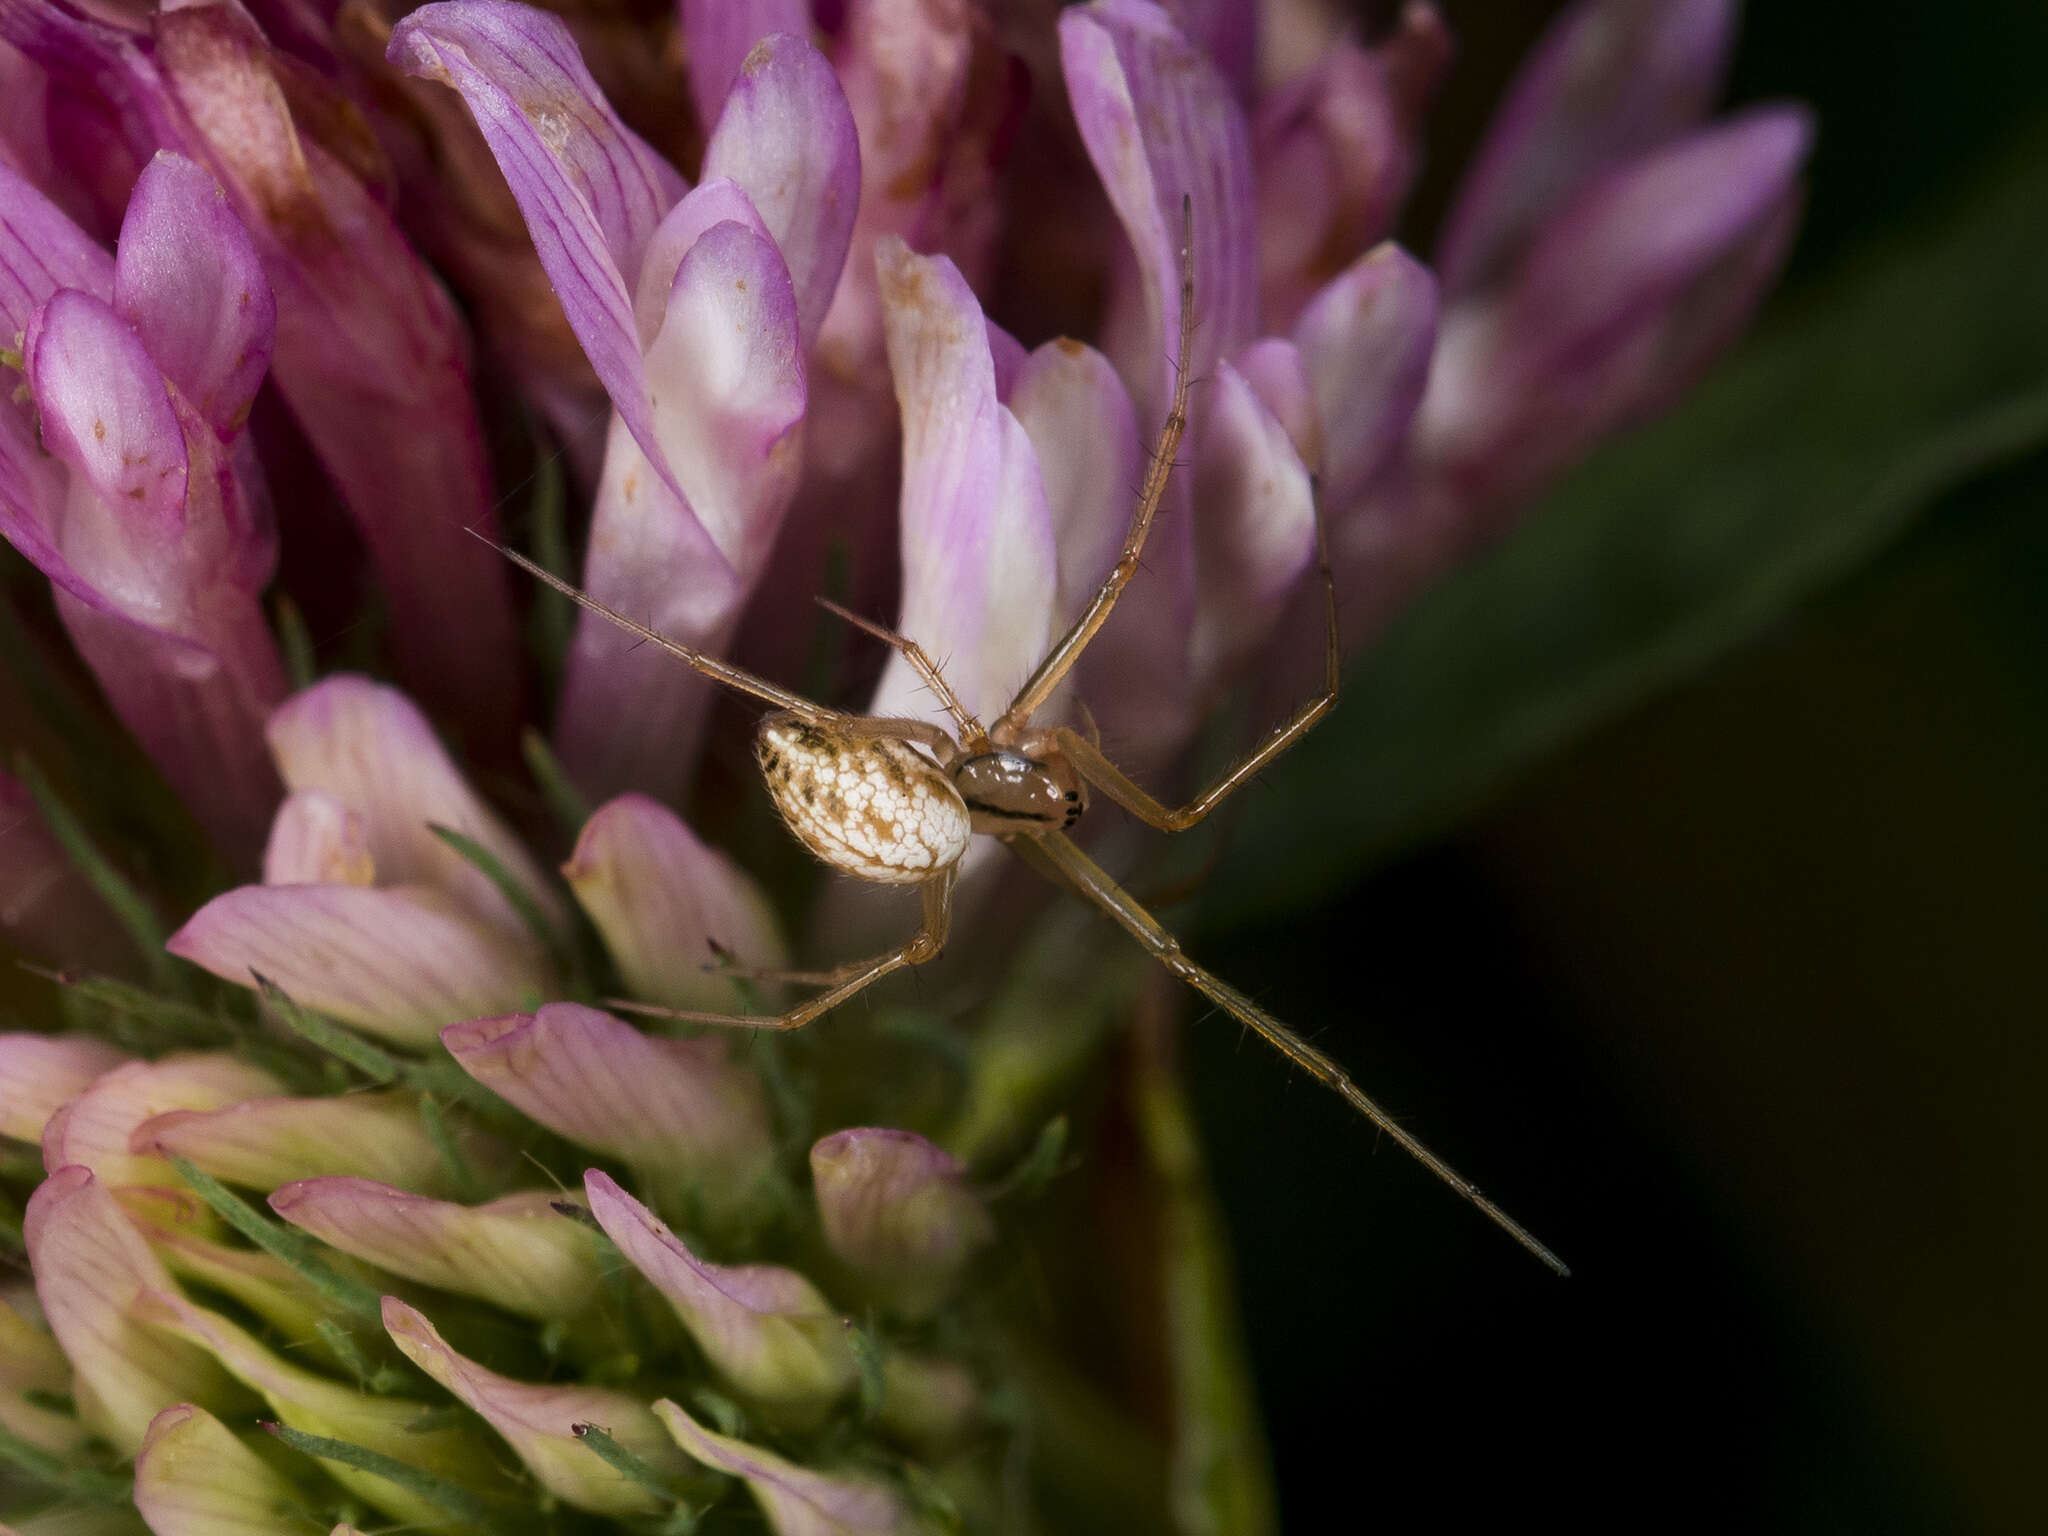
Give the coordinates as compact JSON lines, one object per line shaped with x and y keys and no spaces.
{"x":361,"y":1153}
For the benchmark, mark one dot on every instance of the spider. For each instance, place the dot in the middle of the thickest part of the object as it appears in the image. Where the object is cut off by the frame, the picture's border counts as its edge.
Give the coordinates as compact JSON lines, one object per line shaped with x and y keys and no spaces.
{"x":895,"y":800}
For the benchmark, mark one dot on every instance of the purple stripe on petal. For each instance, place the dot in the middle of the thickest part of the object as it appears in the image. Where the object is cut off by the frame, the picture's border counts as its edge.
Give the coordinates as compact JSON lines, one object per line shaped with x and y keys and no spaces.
{"x":766,"y":1329}
{"x":787,"y":136}
{"x":591,"y":189}
{"x":538,"y":1421}
{"x":979,"y":565}
{"x":401,"y":962}
{"x":796,"y":1500}
{"x":719,"y":34}
{"x":1609,"y":80}
{"x":187,"y":277}
{"x":90,"y":1265}
{"x":678,"y":1110}
{"x":41,"y":250}
{"x":667,"y":905}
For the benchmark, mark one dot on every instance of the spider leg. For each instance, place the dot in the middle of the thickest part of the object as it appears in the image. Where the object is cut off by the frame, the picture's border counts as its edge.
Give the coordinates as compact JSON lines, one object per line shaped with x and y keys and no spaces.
{"x":1060,"y":660}
{"x":1086,"y":754}
{"x":736,"y":678}
{"x":921,"y":663}
{"x":1055,"y":856}
{"x":842,"y":982}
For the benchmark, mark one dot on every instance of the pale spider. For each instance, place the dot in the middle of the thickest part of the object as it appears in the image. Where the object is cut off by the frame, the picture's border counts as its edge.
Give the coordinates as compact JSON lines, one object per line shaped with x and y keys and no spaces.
{"x":858,"y":792}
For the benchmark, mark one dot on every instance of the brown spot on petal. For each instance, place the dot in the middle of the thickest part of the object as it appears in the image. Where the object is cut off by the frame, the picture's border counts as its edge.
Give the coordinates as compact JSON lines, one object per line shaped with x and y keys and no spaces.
{"x":1071,"y":347}
{"x":99,"y":431}
{"x":757,"y":58}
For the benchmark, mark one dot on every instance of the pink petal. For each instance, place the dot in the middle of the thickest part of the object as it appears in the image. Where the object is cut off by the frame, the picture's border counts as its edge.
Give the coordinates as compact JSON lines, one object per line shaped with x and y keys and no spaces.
{"x":1254,"y":525}
{"x":105,"y":413}
{"x":765,"y":1329}
{"x":400,"y":962}
{"x":1365,"y":342}
{"x":538,"y":1421}
{"x":719,"y":34}
{"x":787,"y":137}
{"x":188,"y":279}
{"x":1078,"y":416}
{"x":1610,"y":79}
{"x":41,"y":1073}
{"x":979,"y":565}
{"x":517,"y":1252}
{"x":897,"y":1210}
{"x":96,"y":1129}
{"x":370,"y":747}
{"x":90,"y":1265}
{"x":316,"y":840}
{"x":318,"y":1405}
{"x":1272,"y":366}
{"x":591,"y":189}
{"x":666,"y":904}
{"x":41,"y":250}
{"x":1159,"y":124}
{"x":195,"y":1478}
{"x":796,"y":1500}
{"x":677,"y":1110}
{"x":263,"y":1143}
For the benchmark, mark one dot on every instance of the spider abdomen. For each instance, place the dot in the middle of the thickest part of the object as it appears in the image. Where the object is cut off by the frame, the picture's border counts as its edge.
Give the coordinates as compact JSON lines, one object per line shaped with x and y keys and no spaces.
{"x":871,"y":806}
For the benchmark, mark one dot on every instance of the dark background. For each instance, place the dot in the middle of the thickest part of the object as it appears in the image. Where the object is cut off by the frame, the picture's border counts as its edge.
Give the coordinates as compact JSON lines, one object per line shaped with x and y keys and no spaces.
{"x":1737,"y":1002}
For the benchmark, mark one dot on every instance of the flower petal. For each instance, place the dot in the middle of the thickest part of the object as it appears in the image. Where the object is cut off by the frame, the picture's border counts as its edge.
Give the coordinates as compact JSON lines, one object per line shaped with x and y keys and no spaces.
{"x":187,"y":277}
{"x":1254,"y":525}
{"x":315,"y":1405}
{"x":262,"y":1143}
{"x":1160,"y":124}
{"x":796,"y":1500}
{"x":104,"y":412}
{"x":517,"y":1252}
{"x":667,"y":905}
{"x":90,"y":1265}
{"x":1365,"y":342}
{"x":765,"y":1329}
{"x":1609,"y":80}
{"x":538,"y":1421}
{"x":317,"y":840}
{"x":591,"y":189}
{"x":725,"y":376}
{"x":194,"y":1478}
{"x":39,"y":1074}
{"x":371,"y":748}
{"x":678,"y":1110}
{"x":95,"y":1129}
{"x":898,"y":1212}
{"x":719,"y":34}
{"x":268,"y":1287}
{"x":1078,"y":416}
{"x":41,"y":250}
{"x":400,"y":962}
{"x":979,"y":565}
{"x":787,"y":137}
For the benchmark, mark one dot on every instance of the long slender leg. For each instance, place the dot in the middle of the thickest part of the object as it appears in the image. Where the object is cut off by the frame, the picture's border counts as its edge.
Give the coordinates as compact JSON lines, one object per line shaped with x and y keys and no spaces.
{"x":1055,"y":856}
{"x":842,"y":982}
{"x":736,"y":678}
{"x":1059,"y":661}
{"x":970,"y":728}
{"x":1088,"y":759}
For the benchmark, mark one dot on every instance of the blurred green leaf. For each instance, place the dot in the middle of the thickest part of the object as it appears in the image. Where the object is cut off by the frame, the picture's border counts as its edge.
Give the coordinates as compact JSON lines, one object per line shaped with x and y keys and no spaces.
{"x":1910,"y":369}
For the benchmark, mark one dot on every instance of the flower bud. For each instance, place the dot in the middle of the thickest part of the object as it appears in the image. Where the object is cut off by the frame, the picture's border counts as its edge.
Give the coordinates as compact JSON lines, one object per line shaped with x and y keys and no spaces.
{"x":898,"y":1212}
{"x":796,"y":1500}
{"x":194,"y":1478}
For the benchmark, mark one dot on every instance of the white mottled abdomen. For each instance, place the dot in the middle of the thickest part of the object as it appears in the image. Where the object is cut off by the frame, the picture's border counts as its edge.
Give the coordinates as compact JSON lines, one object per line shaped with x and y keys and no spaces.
{"x":874,"y":807}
